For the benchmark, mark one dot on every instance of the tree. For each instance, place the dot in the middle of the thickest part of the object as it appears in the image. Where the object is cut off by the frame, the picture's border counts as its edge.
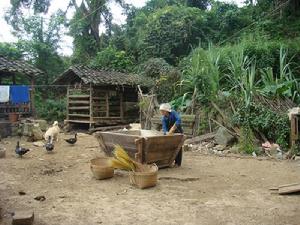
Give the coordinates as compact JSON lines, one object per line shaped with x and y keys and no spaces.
{"x":84,"y":27}
{"x":201,"y":4}
{"x":171,"y":32}
{"x":10,"y":51}
{"x":166,"y":77}
{"x":111,"y":58}
{"x":15,"y":14}
{"x":38,"y":40}
{"x":225,"y":20}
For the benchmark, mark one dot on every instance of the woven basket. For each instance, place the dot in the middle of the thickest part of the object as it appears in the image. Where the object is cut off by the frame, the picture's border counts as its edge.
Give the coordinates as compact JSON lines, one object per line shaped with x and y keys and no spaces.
{"x":145,"y":179}
{"x":101,"y":168}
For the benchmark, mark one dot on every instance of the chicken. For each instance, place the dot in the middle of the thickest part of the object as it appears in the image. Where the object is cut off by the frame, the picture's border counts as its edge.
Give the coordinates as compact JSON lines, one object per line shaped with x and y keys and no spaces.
{"x":21,"y":151}
{"x":49,"y":145}
{"x":72,"y":140}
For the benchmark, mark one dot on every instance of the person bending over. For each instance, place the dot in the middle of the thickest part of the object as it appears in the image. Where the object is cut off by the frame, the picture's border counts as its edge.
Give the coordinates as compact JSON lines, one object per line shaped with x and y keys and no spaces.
{"x":171,"y":123}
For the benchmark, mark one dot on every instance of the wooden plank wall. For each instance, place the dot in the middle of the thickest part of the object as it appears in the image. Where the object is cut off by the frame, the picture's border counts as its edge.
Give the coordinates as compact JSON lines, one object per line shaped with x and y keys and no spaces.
{"x":78,"y":108}
{"x":130,"y":104}
{"x":102,"y":105}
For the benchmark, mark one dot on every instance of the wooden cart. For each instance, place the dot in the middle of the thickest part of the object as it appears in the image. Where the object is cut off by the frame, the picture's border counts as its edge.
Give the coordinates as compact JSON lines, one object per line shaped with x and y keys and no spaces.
{"x":144,"y":145}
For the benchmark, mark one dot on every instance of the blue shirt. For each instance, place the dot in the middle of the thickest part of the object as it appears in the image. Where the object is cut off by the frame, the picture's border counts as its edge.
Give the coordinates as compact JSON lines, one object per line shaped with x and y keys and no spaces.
{"x":169,"y":121}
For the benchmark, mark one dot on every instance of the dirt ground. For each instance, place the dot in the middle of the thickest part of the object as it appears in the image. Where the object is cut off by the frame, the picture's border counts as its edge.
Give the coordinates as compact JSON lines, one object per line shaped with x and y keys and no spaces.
{"x":205,"y":190}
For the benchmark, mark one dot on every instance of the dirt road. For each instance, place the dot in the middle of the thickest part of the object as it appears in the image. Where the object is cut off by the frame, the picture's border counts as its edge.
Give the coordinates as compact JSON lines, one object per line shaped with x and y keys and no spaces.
{"x":206,"y":190}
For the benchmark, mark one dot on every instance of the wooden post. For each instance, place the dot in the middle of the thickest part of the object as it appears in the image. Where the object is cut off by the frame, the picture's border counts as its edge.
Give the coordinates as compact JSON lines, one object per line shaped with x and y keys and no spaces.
{"x":107,"y":103}
{"x":121,"y":106}
{"x":14,"y":79}
{"x":91,"y":105}
{"x":32,"y":102}
{"x":294,"y":129}
{"x":68,"y":96}
{"x":139,"y":146}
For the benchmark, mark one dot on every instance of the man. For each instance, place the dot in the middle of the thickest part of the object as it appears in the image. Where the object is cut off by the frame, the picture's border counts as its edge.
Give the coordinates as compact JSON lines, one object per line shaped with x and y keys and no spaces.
{"x":171,"y":123}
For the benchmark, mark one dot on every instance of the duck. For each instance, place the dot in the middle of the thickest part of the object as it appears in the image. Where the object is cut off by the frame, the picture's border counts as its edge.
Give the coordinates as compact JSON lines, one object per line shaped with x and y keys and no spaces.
{"x":20,"y":150}
{"x":72,"y":140}
{"x":49,"y":145}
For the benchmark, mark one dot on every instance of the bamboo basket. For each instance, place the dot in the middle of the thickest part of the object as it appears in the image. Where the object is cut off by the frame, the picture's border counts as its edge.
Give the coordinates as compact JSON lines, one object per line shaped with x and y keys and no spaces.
{"x":101,"y":168}
{"x":145,"y":179}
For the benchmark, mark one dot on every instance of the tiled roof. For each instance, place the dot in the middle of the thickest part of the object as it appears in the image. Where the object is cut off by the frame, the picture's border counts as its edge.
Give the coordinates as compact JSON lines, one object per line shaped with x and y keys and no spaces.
{"x":102,"y":77}
{"x":18,"y":66}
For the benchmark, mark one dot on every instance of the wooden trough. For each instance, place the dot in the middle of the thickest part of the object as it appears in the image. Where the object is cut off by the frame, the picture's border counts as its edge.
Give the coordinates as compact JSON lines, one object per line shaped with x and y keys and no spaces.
{"x":143,"y":145}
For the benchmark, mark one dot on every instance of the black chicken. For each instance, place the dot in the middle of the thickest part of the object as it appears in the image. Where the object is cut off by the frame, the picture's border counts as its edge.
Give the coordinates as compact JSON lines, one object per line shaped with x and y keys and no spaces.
{"x":49,"y":145}
{"x":21,"y":151}
{"x":72,"y":140}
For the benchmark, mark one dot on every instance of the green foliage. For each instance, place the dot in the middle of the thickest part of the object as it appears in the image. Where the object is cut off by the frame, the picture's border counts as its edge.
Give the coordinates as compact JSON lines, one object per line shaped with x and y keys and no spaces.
{"x":201,"y":4}
{"x":246,"y":140}
{"x":10,"y":51}
{"x":85,"y":45}
{"x":181,"y":103}
{"x":166,"y":77}
{"x":51,"y":109}
{"x":273,"y":125}
{"x":16,"y":13}
{"x":258,"y":50}
{"x":242,"y":76}
{"x":111,"y":58}
{"x":201,"y":69}
{"x":170,"y":33}
{"x":85,"y":30}
{"x":155,"y":68}
{"x":38,"y":41}
{"x":224,"y":20}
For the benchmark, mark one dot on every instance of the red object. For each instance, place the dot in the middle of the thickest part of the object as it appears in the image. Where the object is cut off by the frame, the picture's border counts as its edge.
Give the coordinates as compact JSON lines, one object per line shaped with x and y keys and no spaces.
{"x":13,"y":117}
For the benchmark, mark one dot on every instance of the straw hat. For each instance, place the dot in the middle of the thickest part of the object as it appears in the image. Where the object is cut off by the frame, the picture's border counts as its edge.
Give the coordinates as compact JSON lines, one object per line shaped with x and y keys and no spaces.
{"x":165,"y":107}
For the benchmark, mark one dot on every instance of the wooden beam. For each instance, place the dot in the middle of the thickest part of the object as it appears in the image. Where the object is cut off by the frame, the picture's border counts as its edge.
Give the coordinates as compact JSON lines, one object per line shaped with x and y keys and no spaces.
{"x":80,"y":121}
{"x":79,"y":108}
{"x":121,"y":106}
{"x":79,"y":96}
{"x":91,"y":104}
{"x":288,"y":189}
{"x":14,"y":79}
{"x":32,"y":102}
{"x":107,"y":104}
{"x":79,"y":102}
{"x":201,"y":138}
{"x":79,"y":115}
{"x":116,"y":117}
{"x":68,"y":93}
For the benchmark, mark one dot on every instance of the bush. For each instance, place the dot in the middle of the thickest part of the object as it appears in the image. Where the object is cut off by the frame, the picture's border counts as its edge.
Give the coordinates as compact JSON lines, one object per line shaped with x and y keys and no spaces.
{"x":166,"y":77}
{"x":201,"y":70}
{"x":155,"y":68}
{"x":51,"y":109}
{"x":273,"y":125}
{"x":111,"y":58}
{"x":246,"y":140}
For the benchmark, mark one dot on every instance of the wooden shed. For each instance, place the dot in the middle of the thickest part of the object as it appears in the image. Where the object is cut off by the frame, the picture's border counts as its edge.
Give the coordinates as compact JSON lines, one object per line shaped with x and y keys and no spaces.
{"x":11,"y":72}
{"x":100,"y":97}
